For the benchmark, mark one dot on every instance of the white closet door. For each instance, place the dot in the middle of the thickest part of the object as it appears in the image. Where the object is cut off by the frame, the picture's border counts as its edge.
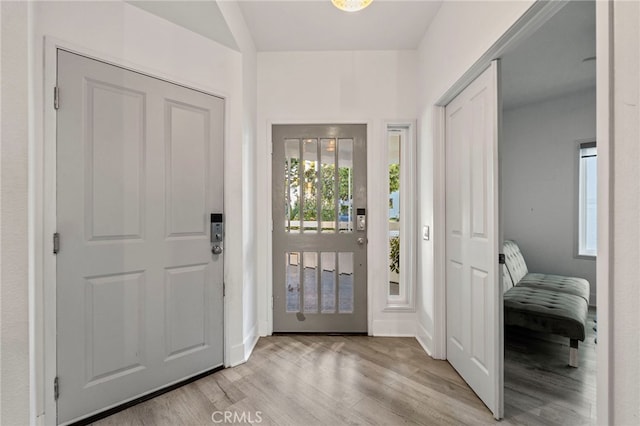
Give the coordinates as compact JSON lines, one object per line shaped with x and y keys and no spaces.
{"x":474,"y":307}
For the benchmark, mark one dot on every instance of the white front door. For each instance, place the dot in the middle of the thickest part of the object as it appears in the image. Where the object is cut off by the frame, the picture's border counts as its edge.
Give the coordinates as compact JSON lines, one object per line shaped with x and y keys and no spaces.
{"x":139,"y":292}
{"x":474,"y":299}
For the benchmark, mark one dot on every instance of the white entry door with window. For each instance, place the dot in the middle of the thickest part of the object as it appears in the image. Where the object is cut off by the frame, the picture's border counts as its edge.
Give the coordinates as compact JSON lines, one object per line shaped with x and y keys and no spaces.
{"x":319,"y":228}
{"x":139,"y":291}
{"x":474,"y":299}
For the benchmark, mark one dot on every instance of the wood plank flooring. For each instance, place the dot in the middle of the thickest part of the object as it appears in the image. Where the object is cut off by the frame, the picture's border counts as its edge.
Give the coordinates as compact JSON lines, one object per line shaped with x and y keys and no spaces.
{"x":359,"y":380}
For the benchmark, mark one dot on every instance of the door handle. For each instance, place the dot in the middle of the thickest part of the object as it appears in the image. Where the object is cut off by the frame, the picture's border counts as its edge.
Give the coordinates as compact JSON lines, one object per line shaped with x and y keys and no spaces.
{"x":216,"y":249}
{"x":361,"y":241}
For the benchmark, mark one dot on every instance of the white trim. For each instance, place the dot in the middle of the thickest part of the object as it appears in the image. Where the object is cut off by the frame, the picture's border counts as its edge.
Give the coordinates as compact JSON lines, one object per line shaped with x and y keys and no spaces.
{"x":236,"y":355}
{"x":405,"y":301}
{"x":498,"y":331}
{"x":425,"y":339}
{"x":604,"y":121}
{"x":250,"y":342}
{"x":439,"y":339}
{"x":42,"y":162}
{"x":393,"y":328}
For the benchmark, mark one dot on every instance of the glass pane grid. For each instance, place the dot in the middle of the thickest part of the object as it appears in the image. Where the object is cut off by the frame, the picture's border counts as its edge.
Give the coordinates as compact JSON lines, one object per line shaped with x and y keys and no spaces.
{"x":319,"y":282}
{"x":345,"y":283}
{"x":292,"y":282}
{"x":345,"y":182}
{"x":310,"y":185}
{"x":292,"y":185}
{"x":328,"y":185}
{"x":310,"y":282}
{"x":328,"y":261}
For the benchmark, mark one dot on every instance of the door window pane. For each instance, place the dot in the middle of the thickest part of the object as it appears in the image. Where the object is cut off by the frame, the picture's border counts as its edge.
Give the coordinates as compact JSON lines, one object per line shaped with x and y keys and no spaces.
{"x":329,"y":204}
{"x":345,"y":178}
{"x":310,"y":185}
{"x":345,"y":283}
{"x":328,"y":263}
{"x":293,"y":281}
{"x":310,"y":268}
{"x":292,"y":185}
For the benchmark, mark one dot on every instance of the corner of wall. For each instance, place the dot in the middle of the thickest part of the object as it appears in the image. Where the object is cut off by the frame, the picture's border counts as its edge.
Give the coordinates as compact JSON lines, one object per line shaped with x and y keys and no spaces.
{"x":424,"y":338}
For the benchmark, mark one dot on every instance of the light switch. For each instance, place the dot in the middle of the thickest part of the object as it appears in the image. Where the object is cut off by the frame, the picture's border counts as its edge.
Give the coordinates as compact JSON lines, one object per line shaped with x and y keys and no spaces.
{"x":425,"y":233}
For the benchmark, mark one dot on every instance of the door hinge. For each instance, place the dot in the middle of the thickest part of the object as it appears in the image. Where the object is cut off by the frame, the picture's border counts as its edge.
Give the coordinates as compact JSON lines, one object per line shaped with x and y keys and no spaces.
{"x":56,"y":243}
{"x":224,"y":289}
{"x":56,"y":97}
{"x":56,"y":388}
{"x":501,"y":259}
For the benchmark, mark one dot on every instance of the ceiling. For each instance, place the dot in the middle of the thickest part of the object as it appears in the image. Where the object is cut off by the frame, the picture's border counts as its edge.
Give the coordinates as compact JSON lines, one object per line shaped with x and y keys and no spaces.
{"x":201,"y":17}
{"x":313,"y":25}
{"x":550,"y":62}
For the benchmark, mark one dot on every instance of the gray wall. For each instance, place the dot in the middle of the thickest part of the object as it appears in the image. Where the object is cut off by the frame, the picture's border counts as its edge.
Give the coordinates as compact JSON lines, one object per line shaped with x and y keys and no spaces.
{"x":14,"y":136}
{"x":539,"y":181}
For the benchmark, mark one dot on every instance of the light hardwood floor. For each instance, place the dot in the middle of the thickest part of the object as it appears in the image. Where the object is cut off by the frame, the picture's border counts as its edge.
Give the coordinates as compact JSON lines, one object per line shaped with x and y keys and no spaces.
{"x":336,"y":380}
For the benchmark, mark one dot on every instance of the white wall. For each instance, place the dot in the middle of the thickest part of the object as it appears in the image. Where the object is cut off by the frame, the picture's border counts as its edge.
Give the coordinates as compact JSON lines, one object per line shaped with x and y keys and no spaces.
{"x":337,"y":87}
{"x":622,"y":295}
{"x":539,"y":170}
{"x":459,"y":35}
{"x":234,"y":18}
{"x":14,"y":309}
{"x":125,"y":34}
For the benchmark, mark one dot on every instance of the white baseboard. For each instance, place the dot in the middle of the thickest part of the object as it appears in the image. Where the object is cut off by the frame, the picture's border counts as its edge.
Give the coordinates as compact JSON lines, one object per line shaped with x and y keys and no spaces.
{"x":240,"y":353}
{"x":236,"y":355}
{"x":424,"y":338}
{"x":250,"y":342}
{"x":395,"y":328}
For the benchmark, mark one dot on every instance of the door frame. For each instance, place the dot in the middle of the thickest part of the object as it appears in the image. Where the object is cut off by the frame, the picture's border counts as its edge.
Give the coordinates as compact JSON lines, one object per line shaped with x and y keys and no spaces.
{"x":539,"y":13}
{"x":43,"y":218}
{"x":265,"y":298}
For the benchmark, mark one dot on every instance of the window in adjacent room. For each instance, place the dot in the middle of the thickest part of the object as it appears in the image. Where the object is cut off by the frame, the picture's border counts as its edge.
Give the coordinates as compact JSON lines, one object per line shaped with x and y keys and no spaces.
{"x":587,"y":200}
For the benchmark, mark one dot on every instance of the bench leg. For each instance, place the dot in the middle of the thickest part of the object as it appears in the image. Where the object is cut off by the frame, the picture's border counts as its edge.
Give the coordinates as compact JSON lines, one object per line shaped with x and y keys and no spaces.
{"x":573,"y":353}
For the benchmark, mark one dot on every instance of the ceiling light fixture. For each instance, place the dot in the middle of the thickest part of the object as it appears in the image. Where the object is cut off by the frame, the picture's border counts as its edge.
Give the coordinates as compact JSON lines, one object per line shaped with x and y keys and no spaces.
{"x":351,"y":5}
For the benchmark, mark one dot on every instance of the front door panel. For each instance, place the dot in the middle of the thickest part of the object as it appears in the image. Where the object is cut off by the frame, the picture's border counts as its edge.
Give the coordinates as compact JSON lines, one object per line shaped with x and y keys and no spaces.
{"x":319,"y":251}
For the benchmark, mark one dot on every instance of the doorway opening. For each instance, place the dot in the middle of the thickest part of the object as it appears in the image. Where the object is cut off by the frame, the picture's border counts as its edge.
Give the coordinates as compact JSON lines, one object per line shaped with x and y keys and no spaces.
{"x":548,"y":128}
